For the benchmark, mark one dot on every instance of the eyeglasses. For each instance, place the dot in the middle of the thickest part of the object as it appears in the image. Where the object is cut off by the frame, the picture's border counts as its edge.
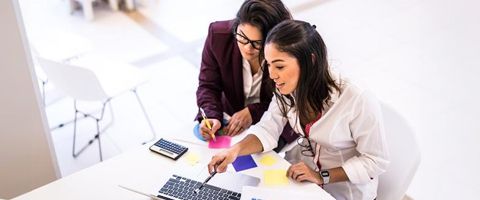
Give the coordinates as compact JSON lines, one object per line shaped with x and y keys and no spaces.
{"x":307,"y":146}
{"x":256,"y":44}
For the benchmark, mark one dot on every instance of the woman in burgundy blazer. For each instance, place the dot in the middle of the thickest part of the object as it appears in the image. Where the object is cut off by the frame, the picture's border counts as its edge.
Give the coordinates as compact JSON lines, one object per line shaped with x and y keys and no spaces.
{"x":221,"y":81}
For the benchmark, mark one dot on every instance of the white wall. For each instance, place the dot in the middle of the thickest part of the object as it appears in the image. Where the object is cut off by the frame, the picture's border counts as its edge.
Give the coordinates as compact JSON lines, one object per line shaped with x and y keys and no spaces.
{"x":27,"y":157}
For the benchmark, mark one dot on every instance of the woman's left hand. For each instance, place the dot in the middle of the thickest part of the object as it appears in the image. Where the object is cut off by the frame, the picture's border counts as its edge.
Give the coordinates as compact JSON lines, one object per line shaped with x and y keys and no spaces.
{"x":240,"y":121}
{"x":301,"y":172}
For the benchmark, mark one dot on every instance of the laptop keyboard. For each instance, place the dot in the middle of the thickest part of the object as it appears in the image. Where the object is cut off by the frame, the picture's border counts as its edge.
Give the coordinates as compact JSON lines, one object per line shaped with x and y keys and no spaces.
{"x":178,"y":187}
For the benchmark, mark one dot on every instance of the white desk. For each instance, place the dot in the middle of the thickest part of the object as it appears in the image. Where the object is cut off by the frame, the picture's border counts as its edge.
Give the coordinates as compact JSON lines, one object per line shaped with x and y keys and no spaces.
{"x":144,"y":170}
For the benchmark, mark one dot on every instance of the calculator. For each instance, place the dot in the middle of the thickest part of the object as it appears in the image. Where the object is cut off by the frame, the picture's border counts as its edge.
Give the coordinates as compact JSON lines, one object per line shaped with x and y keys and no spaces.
{"x":168,"y":149}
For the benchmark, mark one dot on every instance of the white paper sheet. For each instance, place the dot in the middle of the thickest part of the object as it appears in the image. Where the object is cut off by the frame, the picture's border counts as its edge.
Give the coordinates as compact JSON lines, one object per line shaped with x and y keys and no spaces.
{"x":257,"y":193}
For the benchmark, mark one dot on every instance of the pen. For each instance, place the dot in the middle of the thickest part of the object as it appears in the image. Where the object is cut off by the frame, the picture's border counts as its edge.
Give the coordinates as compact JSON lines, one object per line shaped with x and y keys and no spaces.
{"x":204,"y":182}
{"x":208,"y":123}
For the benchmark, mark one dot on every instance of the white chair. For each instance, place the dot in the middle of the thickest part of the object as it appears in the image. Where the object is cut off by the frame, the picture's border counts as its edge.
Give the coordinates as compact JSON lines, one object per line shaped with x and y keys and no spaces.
{"x":57,"y":45}
{"x":87,"y":6}
{"x":404,"y":156}
{"x":94,"y":79}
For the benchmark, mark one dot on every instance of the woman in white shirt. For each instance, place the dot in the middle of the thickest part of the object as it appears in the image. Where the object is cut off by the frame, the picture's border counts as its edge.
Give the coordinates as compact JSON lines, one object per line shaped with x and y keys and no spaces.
{"x":342,"y":145}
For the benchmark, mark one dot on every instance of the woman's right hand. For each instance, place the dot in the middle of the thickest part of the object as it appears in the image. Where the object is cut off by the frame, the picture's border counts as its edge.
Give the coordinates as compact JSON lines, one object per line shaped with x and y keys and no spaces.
{"x":206,"y":132}
{"x":221,"y":160}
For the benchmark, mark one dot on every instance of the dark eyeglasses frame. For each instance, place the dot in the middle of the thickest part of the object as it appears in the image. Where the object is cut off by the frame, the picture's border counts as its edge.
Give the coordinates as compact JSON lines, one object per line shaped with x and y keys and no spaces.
{"x":307,"y":148}
{"x":256,"y":44}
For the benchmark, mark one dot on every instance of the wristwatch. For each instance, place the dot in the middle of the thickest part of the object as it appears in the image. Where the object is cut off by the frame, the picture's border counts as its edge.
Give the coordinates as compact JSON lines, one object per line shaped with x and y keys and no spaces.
{"x":325,"y":176}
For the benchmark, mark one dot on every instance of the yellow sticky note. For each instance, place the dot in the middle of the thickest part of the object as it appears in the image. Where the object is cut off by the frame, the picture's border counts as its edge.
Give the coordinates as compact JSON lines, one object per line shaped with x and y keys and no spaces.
{"x":192,"y":158}
{"x":268,"y":160}
{"x":275,"y":177}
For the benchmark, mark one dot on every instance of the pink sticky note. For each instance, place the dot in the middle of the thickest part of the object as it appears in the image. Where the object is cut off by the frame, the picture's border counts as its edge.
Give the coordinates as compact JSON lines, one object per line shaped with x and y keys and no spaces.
{"x":222,"y":142}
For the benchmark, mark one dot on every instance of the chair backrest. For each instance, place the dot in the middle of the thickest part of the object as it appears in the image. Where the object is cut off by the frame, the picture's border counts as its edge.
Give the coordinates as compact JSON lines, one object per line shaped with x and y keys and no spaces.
{"x":77,"y":82}
{"x":404,"y":156}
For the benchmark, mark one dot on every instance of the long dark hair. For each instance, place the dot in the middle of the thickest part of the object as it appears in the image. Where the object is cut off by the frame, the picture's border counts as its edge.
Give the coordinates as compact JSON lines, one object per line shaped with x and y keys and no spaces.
{"x":302,"y":41}
{"x":263,"y":14}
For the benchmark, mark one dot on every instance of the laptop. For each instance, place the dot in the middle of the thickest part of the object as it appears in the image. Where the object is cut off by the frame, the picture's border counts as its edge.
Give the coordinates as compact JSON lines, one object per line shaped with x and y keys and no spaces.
{"x":226,"y":185}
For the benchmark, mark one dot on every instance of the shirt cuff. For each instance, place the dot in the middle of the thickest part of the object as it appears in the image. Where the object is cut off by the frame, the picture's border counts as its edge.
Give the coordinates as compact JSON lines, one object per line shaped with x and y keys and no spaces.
{"x":268,"y":142}
{"x":356,"y":172}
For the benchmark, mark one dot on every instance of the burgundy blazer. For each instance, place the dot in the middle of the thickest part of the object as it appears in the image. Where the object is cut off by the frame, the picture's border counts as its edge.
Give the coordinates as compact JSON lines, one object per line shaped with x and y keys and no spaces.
{"x":220,"y":87}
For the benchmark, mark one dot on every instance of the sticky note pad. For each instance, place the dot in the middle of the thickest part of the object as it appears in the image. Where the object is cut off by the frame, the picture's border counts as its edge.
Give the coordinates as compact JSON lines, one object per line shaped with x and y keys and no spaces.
{"x":221,"y":142}
{"x":196,"y":132}
{"x":268,"y":160}
{"x":244,"y":163}
{"x":275,"y":177}
{"x":192,"y":158}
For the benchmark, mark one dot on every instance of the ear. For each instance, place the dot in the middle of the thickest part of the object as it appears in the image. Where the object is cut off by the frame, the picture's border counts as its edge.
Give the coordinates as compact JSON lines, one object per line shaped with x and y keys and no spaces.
{"x":313,"y":58}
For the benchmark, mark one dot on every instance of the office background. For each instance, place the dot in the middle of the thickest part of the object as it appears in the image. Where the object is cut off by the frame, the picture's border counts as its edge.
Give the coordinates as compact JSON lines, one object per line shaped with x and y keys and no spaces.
{"x":418,"y":56}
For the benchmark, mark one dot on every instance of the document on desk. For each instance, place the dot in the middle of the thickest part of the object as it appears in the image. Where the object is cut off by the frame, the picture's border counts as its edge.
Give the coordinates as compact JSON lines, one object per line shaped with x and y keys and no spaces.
{"x":260,"y":193}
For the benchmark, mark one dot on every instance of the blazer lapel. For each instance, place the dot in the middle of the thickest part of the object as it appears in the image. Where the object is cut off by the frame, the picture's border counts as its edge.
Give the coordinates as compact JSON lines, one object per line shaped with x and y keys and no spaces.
{"x":238,"y":76}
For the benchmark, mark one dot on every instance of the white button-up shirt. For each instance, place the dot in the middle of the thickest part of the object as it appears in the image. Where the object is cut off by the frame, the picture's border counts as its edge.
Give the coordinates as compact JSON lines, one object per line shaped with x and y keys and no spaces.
{"x":251,"y":83}
{"x":350,"y":134}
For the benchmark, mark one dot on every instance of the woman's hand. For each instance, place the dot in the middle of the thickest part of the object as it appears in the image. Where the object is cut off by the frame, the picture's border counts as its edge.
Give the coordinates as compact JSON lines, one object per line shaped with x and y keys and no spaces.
{"x":206,"y":132}
{"x":240,"y":121}
{"x":220,"y":161}
{"x":301,"y":172}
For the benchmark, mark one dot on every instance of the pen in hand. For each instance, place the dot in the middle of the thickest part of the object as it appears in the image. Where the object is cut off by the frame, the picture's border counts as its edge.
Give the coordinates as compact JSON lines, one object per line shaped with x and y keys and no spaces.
{"x":196,"y":191}
{"x":207,"y":123}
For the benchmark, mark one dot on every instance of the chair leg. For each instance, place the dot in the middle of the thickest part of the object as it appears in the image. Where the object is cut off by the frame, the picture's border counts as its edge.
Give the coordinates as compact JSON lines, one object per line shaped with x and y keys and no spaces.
{"x":130,"y":4}
{"x":61,"y":125}
{"x":72,"y":5}
{"x":113,"y":4}
{"x":74,"y":128}
{"x":154,"y":135}
{"x":44,"y":83}
{"x":97,"y":135}
{"x":87,"y":7}
{"x":99,"y":141}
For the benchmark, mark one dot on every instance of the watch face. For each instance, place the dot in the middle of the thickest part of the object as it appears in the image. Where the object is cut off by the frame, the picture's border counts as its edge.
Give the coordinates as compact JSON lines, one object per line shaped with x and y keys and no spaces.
{"x":325,"y":173}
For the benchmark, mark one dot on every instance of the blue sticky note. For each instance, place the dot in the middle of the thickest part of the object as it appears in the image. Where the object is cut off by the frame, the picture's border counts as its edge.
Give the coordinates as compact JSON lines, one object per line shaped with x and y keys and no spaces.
{"x":196,"y":132}
{"x":244,"y":163}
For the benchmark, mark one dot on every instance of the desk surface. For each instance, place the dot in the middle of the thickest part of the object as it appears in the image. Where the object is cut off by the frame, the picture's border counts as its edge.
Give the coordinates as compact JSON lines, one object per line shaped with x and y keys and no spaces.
{"x":145,"y":171}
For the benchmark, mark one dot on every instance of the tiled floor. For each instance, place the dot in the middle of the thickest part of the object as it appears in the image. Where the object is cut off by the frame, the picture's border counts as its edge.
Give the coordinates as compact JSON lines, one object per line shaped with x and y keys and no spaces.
{"x":421,"y":57}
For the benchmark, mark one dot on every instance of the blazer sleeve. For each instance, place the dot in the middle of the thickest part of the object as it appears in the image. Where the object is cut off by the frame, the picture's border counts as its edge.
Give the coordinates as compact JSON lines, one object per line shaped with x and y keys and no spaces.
{"x":257,"y":110}
{"x":210,"y":85}
{"x":368,"y":132}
